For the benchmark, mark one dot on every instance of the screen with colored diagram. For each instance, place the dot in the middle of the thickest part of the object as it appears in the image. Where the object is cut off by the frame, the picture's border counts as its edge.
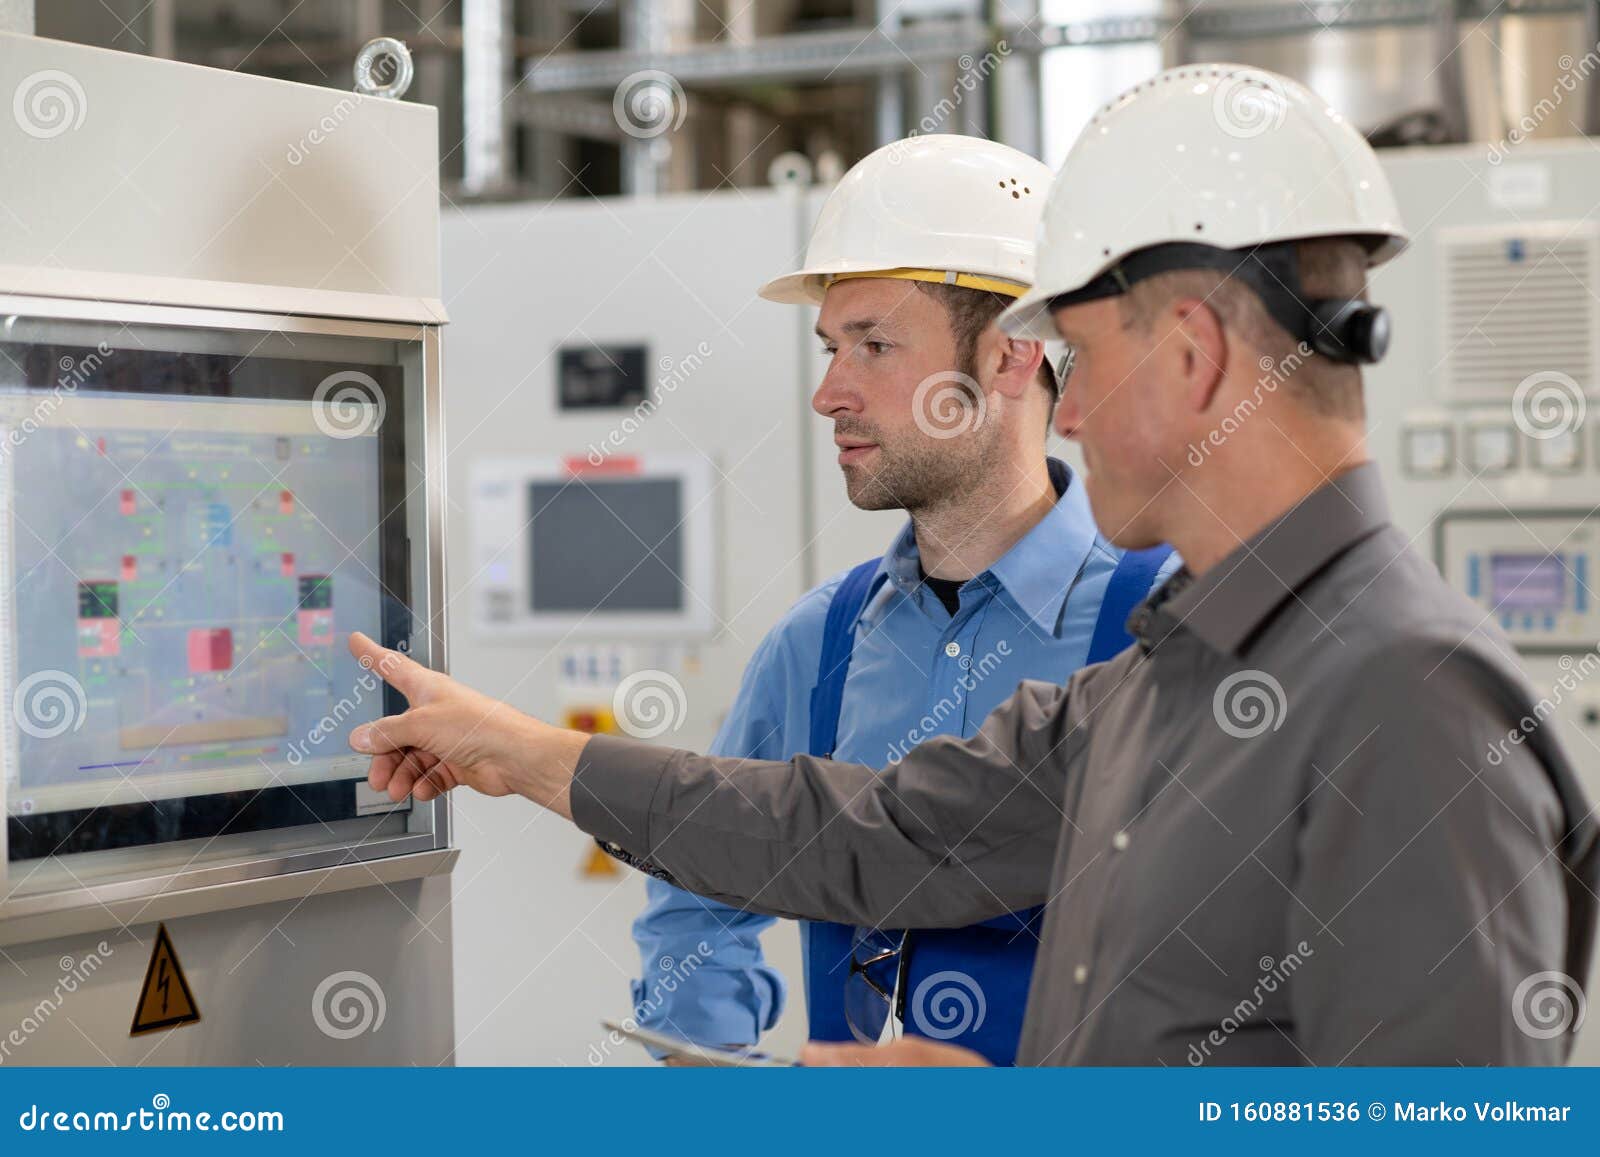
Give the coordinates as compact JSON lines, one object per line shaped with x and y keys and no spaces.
{"x":188,"y":536}
{"x":183,"y":576}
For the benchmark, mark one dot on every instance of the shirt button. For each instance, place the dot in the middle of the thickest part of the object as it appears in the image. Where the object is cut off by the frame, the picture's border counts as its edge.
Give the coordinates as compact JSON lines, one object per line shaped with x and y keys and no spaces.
{"x":1119,"y":841}
{"x":1080,"y":974}
{"x":952,"y":648}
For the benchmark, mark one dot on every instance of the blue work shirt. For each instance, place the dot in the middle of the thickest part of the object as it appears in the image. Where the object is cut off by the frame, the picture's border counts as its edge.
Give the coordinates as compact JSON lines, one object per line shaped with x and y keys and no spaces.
{"x":917,"y":672}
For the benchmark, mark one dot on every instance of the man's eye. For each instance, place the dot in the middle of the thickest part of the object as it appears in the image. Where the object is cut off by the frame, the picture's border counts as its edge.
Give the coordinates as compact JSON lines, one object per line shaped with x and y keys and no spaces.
{"x":829,"y":350}
{"x":877,"y":347}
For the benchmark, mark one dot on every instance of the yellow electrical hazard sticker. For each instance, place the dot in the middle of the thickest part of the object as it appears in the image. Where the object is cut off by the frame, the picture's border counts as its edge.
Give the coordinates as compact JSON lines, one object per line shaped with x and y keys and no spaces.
{"x":599,"y":866}
{"x":164,"y":999}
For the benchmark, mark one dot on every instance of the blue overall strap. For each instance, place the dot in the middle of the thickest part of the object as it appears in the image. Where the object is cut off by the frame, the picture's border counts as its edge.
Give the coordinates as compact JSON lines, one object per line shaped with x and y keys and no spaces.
{"x":838,"y":643}
{"x":826,"y":947}
{"x":1129,"y":586}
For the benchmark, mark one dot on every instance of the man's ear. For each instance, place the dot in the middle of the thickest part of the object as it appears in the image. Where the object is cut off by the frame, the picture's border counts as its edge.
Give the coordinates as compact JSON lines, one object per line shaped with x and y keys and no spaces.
{"x":1202,"y":356}
{"x":1016,"y":362}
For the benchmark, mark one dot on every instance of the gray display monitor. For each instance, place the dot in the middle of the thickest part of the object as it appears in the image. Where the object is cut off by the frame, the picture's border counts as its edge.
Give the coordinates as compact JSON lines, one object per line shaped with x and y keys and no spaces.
{"x":607,"y":545}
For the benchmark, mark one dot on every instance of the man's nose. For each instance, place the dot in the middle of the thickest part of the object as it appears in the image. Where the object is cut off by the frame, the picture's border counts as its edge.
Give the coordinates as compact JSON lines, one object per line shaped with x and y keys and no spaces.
{"x":1066,"y":418}
{"x":836,"y":393}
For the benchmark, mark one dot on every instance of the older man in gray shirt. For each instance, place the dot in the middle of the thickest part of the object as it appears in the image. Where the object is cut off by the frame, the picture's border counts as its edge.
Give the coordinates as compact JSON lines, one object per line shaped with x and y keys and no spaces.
{"x":1312,"y":817}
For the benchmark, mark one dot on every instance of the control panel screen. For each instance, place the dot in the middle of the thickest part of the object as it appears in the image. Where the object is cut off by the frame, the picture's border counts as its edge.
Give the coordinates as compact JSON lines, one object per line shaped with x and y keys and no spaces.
{"x":188,"y":536}
{"x":1527,"y":582}
{"x":606,"y":545}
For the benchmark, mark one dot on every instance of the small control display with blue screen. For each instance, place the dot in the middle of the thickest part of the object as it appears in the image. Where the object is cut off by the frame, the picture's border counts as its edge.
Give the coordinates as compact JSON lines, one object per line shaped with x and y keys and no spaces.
{"x":1527,"y":582}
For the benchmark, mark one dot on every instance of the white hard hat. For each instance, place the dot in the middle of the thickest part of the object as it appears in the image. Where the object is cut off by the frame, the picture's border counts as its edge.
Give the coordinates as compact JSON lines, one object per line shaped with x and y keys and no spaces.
{"x":1207,"y":155}
{"x":940,"y":208}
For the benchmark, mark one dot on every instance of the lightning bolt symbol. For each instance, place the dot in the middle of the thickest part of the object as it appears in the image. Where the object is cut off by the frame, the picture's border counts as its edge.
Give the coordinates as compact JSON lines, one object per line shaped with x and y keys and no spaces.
{"x":161,"y":985}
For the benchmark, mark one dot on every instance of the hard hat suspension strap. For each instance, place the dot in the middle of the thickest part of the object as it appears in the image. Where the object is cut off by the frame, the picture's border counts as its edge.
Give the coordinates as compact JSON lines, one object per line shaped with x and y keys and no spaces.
{"x":940,"y":277}
{"x":1341,"y":329}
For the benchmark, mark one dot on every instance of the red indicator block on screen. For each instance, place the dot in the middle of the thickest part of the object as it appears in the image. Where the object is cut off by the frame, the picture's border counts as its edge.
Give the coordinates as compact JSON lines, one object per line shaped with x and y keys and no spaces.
{"x":128,"y":506}
{"x":286,"y":565}
{"x":315,"y":628}
{"x":99,"y":638}
{"x":285,"y":502}
{"x":210,"y":649}
{"x":130,"y":568}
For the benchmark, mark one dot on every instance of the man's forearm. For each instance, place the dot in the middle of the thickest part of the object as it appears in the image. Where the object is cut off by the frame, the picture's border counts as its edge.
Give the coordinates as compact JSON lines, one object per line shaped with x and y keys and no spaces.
{"x":542,"y":768}
{"x":808,"y":838}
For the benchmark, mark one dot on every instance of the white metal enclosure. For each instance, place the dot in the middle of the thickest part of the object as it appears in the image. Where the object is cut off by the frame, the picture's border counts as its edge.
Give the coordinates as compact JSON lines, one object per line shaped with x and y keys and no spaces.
{"x":140,"y":192}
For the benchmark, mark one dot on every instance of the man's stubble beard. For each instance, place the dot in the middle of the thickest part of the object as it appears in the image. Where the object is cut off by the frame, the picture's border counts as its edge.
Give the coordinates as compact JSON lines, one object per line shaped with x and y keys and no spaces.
{"x":921,"y":473}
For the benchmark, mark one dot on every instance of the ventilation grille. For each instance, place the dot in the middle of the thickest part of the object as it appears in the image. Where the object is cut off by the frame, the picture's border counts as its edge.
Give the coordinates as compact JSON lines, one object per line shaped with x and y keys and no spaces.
{"x":1519,"y":300}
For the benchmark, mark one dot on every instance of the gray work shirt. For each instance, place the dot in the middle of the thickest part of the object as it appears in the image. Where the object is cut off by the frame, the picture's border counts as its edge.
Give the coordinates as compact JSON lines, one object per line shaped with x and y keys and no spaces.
{"x":1312,"y":817}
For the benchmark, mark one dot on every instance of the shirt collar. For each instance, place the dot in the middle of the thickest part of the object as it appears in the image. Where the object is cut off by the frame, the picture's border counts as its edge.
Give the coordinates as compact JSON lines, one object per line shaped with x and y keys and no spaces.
{"x":1228,"y":604}
{"x":1040,"y":567}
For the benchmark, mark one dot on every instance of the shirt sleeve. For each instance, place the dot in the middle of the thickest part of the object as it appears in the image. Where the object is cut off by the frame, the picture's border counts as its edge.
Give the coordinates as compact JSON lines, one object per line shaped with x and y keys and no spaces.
{"x":957,"y":832}
{"x":704,"y":975}
{"x":1428,"y":878}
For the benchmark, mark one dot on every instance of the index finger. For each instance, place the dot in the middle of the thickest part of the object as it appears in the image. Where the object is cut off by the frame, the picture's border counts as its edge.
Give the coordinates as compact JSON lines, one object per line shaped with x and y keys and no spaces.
{"x":403,"y":673}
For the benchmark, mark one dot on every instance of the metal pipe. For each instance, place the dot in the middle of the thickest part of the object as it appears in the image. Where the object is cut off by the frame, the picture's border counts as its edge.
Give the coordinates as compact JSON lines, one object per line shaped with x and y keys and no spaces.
{"x":485,"y":86}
